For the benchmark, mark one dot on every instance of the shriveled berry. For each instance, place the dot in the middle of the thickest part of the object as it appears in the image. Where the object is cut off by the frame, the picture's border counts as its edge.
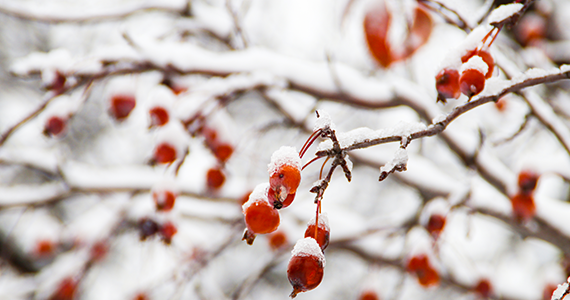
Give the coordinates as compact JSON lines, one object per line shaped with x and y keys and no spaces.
{"x":121,"y":106}
{"x":527,"y":181}
{"x":420,"y":266}
{"x":167,"y":231}
{"x":158,"y":116}
{"x":55,"y":126}
{"x":447,"y":84}
{"x":65,"y":290}
{"x":523,"y":206}
{"x":306,"y":267}
{"x":471,"y":82}
{"x":164,"y":153}
{"x":435,"y":225}
{"x":376,"y":26}
{"x":164,"y":199}
{"x":215,"y":178}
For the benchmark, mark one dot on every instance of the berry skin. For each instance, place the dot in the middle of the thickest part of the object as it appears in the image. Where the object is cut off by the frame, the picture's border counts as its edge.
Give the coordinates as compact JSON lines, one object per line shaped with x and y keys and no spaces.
{"x":376,"y":26}
{"x":548,"y":291}
{"x":484,"y":288}
{"x":58,"y":83}
{"x":485,"y":55}
{"x":285,"y":180}
{"x":167,"y":231}
{"x":323,"y":232}
{"x":158,"y":116}
{"x":260,"y":216}
{"x":368,"y":295}
{"x":223,"y":152}
{"x":273,"y":197}
{"x":420,"y":31}
{"x":447,"y":84}
{"x":164,"y":153}
{"x":164,"y":200}
{"x":523,"y":207}
{"x":215,"y":178}
{"x":121,"y":106}
{"x":66,"y":290}
{"x":277,"y":240}
{"x":435,"y":225}
{"x":55,"y":126}
{"x":527,"y":182}
{"x":471,"y":82}
{"x":419,"y":265}
{"x":306,"y":268}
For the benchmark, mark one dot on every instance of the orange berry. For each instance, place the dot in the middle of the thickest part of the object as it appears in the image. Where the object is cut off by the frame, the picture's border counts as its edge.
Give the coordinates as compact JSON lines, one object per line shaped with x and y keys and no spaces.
{"x":368,"y":295}
{"x":277,"y":240}
{"x":215,"y":178}
{"x":121,"y":106}
{"x":167,"y":231}
{"x":306,"y":267}
{"x":164,"y":200}
{"x":323,"y":231}
{"x":530,"y":29}
{"x":471,"y":82}
{"x":223,"y":152}
{"x":485,"y":55}
{"x":419,"y":265}
{"x":165,"y":153}
{"x":45,"y":248}
{"x":158,"y":116}
{"x":376,"y":26}
{"x":447,"y":84}
{"x":527,"y":181}
{"x":98,"y":251}
{"x":435,"y":225}
{"x":523,"y":206}
{"x":66,"y":290}
{"x":260,"y":216}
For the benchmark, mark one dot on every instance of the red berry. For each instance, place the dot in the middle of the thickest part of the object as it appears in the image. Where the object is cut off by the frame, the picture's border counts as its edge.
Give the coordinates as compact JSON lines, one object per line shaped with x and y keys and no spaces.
{"x":167,"y":231}
{"x":485,"y":55}
{"x":527,"y":182}
{"x":215,"y":178}
{"x":376,"y":25}
{"x":260,"y":216}
{"x":368,"y":295}
{"x":420,"y":31}
{"x":121,"y":106}
{"x":523,"y":206}
{"x":286,"y":179}
{"x":419,"y":265}
{"x":66,"y":290}
{"x":323,"y":232}
{"x":530,"y":29}
{"x":277,"y":240}
{"x":278,"y":204}
{"x":58,"y":83}
{"x":471,"y":82}
{"x":164,"y":153}
{"x":164,"y":200}
{"x":435,"y":225}
{"x":548,"y":291}
{"x":45,"y":248}
{"x":140,"y":296}
{"x":484,"y":288}
{"x":223,"y":152}
{"x":447,"y":84}
{"x":55,"y":126}
{"x":306,"y":268}
{"x":158,"y":116}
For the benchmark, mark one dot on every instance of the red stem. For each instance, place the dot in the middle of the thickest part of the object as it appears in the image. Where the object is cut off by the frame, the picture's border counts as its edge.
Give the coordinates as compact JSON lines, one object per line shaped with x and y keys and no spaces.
{"x":309,"y":142}
{"x":310,"y":162}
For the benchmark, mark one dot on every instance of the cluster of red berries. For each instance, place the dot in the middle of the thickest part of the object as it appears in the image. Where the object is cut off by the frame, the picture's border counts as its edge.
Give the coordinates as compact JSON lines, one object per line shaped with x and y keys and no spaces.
{"x":523,"y":201}
{"x":420,"y":266}
{"x":377,"y":24}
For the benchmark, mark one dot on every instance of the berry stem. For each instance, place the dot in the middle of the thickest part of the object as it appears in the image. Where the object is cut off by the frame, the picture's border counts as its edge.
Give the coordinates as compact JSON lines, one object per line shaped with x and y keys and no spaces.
{"x":309,"y":142}
{"x":322,"y":167}
{"x":311,"y":161}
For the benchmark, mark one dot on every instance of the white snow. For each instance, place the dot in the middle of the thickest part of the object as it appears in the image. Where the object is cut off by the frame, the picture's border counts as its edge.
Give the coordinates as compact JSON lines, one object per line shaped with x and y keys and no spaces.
{"x":323,"y":121}
{"x":258,"y":194}
{"x":323,"y":221}
{"x":308,"y":247}
{"x":562,"y":288}
{"x":503,"y":12}
{"x":400,"y":160}
{"x":475,"y":63}
{"x":284,"y":156}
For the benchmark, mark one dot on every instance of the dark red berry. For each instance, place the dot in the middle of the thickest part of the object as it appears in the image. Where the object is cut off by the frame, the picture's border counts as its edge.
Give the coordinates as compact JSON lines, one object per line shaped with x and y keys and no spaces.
{"x":368,"y":295}
{"x":471,"y":82}
{"x":121,"y":106}
{"x":523,"y":207}
{"x":167,"y":231}
{"x":158,"y":116}
{"x":447,"y":84}
{"x":484,"y":288}
{"x":306,"y":268}
{"x":164,"y":154}
{"x":66,"y":290}
{"x":420,"y":266}
{"x":147,"y":228}
{"x":527,"y":182}
{"x":435,"y":225}
{"x":55,"y":126}
{"x":164,"y":199}
{"x":376,"y":25}
{"x":322,"y":231}
{"x":215,"y":178}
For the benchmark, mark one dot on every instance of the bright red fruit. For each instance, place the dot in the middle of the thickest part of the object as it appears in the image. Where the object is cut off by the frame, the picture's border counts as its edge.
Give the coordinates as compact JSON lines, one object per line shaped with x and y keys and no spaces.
{"x":55,"y":126}
{"x":419,"y":265}
{"x":158,"y":116}
{"x":273,"y":197}
{"x":484,"y":288}
{"x":447,"y":84}
{"x":323,"y":232}
{"x":164,"y":153}
{"x":44,"y":248}
{"x":167,"y":231}
{"x":420,"y":31}
{"x":485,"y":55}
{"x":223,"y":152}
{"x":435,"y":225}
{"x":164,"y":200}
{"x":140,"y":296}
{"x":58,"y":83}
{"x":66,"y":290}
{"x":260,"y":216}
{"x":376,"y":26}
{"x":286,"y":179}
{"x":527,"y":182}
{"x":471,"y":82}
{"x":368,"y":295}
{"x":215,"y":178}
{"x":523,"y":206}
{"x":121,"y":106}
{"x":306,"y":268}
{"x":277,"y":240}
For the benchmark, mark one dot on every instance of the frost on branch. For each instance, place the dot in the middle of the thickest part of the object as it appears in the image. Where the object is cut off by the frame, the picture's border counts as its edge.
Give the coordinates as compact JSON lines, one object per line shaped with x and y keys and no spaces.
{"x":398,"y":163}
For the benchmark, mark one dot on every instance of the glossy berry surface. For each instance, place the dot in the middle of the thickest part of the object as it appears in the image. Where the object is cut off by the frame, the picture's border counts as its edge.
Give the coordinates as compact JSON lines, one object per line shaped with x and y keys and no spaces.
{"x":305,"y":272}
{"x":527,"y":182}
{"x":164,"y":200}
{"x":167,"y":231}
{"x":261,"y":217}
{"x":447,"y":84}
{"x":164,"y":153}
{"x":66,"y":290}
{"x":273,"y":197}
{"x":215,"y":178}
{"x":121,"y":106}
{"x":420,"y":266}
{"x":286,"y":180}
{"x":485,"y":55}
{"x":435,"y":225}
{"x":55,"y":126}
{"x":523,"y":206}
{"x":376,"y":26}
{"x":323,"y":235}
{"x":471,"y":82}
{"x":158,"y":116}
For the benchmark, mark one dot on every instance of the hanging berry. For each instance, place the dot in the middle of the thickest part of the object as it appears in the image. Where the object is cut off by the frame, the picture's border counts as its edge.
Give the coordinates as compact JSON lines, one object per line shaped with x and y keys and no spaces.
{"x":435,"y":225}
{"x":260,"y":216}
{"x":306,"y":267}
{"x":322,"y":231}
{"x":121,"y":106}
{"x":527,"y":181}
{"x":485,"y":54}
{"x":472,"y":79}
{"x":447,"y":84}
{"x":419,"y":265}
{"x":523,"y":207}
{"x":376,"y":26}
{"x":66,"y":290}
{"x":164,"y":199}
{"x":284,"y":174}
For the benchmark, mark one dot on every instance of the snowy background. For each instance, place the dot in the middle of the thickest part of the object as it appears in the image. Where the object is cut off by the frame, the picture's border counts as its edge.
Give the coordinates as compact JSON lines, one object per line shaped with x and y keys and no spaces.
{"x":73,"y":207}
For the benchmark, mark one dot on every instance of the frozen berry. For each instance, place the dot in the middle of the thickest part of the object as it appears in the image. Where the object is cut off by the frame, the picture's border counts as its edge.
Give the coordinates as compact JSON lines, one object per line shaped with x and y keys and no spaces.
{"x":98,"y":251}
{"x":260,"y":216}
{"x":368,"y":295}
{"x":471,"y":82}
{"x":164,"y":199}
{"x":322,"y":231}
{"x":66,"y":290}
{"x":376,"y":26}
{"x":523,"y":206}
{"x":447,"y":84}
{"x":167,"y":231}
{"x":484,"y":288}
{"x":215,"y":178}
{"x":55,"y":126}
{"x":121,"y":106}
{"x":527,"y":181}
{"x":277,"y":240}
{"x":306,"y":267}
{"x":435,"y":225}
{"x":419,"y":265}
{"x":485,"y":56}
{"x":223,"y":152}
{"x":165,"y":153}
{"x":284,"y":172}
{"x":45,"y":248}
{"x":158,"y":116}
